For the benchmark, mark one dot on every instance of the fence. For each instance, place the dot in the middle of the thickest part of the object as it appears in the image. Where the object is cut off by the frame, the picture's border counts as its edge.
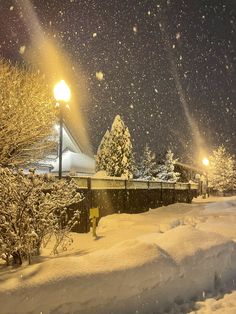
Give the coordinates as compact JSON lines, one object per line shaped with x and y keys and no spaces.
{"x":128,"y":196}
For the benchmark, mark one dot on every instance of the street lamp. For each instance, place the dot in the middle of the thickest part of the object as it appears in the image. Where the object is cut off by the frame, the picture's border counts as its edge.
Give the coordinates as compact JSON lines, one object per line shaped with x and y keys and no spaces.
{"x":205,"y":162}
{"x":62,"y":93}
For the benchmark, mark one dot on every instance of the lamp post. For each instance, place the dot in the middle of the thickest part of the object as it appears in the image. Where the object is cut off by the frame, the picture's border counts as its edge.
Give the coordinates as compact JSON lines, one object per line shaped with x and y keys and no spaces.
{"x":62,"y":93}
{"x":205,"y":163}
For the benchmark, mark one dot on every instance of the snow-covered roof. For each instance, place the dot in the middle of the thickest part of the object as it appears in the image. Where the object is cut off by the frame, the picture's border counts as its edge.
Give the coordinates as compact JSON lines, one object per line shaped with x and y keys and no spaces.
{"x":75,"y":162}
{"x":69,"y":141}
{"x":73,"y":158}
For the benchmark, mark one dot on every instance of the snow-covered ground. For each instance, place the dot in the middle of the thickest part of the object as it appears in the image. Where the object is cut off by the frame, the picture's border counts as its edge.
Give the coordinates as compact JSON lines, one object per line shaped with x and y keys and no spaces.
{"x":175,"y":259}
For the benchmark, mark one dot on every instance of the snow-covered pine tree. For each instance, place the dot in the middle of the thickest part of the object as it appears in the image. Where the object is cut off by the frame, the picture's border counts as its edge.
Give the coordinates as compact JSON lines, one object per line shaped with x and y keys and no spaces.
{"x":221,"y":172}
{"x":121,"y":161}
{"x":147,"y":169}
{"x":103,"y":153}
{"x":167,"y":171}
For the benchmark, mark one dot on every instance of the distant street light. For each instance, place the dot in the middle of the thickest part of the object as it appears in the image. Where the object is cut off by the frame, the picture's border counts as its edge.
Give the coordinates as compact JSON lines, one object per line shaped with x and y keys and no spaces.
{"x":62,"y":93}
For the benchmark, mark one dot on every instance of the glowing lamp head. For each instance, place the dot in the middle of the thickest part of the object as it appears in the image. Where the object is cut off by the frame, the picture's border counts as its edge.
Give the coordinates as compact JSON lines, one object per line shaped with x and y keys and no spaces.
{"x":205,"y":162}
{"x":62,"y":91}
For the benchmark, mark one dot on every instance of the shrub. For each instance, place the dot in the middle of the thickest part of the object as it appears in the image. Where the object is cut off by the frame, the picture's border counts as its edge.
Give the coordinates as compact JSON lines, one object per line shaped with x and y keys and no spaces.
{"x":34,"y":207}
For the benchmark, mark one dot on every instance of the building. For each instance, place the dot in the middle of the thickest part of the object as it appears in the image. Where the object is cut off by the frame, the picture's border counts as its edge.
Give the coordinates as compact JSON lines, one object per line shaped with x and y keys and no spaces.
{"x":187,"y":172}
{"x":74,"y":160}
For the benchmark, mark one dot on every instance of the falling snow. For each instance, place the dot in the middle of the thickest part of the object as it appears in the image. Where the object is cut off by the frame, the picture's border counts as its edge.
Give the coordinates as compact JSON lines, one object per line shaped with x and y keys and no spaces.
{"x":177,"y":36}
{"x":99,"y":75}
{"x":135,"y":29}
{"x":22,"y":50}
{"x":139,"y":45}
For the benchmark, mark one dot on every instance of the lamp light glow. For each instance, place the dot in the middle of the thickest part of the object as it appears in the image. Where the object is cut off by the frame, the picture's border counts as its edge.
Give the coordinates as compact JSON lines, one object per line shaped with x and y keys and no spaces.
{"x":62,"y":91}
{"x":205,"y":161}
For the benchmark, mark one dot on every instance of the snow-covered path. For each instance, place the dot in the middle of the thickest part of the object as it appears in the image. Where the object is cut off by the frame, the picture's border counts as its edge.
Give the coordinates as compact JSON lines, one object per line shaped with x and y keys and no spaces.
{"x":153,"y":262}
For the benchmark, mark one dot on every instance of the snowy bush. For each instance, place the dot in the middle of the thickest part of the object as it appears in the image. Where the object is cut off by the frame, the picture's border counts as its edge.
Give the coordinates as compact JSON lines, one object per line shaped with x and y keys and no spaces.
{"x":32,"y":208}
{"x":147,"y":168}
{"x":167,"y":172}
{"x":115,"y":153}
{"x":27,"y":115}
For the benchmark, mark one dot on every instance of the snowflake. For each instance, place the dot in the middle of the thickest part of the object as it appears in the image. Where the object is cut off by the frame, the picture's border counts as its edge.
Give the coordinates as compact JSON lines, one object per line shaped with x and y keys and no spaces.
{"x":135,"y":29}
{"x":22,"y":50}
{"x":100,"y":75}
{"x":177,"y":36}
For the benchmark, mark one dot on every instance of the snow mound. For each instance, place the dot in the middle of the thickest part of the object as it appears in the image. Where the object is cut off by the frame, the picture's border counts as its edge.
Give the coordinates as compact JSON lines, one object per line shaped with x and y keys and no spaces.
{"x":160,"y":268}
{"x":133,"y":266}
{"x":225,"y":305}
{"x":186,"y":241}
{"x":115,"y":221}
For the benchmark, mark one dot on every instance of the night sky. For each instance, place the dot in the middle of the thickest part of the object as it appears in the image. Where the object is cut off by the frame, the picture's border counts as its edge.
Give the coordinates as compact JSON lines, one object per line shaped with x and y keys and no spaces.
{"x":143,"y":60}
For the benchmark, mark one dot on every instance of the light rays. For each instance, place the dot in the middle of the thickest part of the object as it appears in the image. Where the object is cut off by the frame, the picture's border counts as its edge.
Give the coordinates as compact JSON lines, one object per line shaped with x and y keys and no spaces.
{"x":45,"y":54}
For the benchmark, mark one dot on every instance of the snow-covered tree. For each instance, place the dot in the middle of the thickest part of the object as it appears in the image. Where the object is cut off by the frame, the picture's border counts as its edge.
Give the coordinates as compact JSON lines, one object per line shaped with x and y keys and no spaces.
{"x":147,"y":169}
{"x":121,"y":161}
{"x":115,"y":155}
{"x":103,"y":153}
{"x":34,"y":207}
{"x":167,"y":171}
{"x":221,"y":172}
{"x":27,"y":115}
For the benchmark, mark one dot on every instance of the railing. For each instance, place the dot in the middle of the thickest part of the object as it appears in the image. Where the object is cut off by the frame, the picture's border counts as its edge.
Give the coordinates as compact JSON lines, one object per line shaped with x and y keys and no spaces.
{"x":121,"y":184}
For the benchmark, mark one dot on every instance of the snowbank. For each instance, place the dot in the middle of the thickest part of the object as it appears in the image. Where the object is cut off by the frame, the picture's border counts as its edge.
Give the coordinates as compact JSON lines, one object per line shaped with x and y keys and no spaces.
{"x":133,"y":266}
{"x":224,"y":305}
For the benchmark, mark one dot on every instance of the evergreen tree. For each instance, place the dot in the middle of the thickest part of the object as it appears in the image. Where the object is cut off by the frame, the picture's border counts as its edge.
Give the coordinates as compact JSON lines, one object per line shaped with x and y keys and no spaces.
{"x":221,"y":170}
{"x":147,"y":168}
{"x":167,"y":171}
{"x":103,"y":153}
{"x":120,"y":162}
{"x":115,"y":155}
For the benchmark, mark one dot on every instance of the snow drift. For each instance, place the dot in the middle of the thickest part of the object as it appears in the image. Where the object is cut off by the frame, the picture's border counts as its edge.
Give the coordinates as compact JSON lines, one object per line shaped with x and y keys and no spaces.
{"x":133,"y":267}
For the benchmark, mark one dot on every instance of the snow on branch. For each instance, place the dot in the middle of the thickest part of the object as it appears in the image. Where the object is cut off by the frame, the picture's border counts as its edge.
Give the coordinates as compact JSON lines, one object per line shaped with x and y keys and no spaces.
{"x":34,"y":207}
{"x":27,"y":115}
